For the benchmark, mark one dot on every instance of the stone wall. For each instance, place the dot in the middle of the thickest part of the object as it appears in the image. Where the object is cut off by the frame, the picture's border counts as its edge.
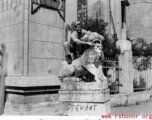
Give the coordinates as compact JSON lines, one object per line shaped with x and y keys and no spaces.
{"x":140,"y":17}
{"x":34,"y":42}
{"x":11,"y":33}
{"x":46,"y":37}
{"x":32,"y":85}
{"x":130,"y":99}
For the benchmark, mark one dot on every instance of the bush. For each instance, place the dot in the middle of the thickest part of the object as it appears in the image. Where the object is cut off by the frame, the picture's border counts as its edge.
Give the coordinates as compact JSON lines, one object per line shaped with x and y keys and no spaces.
{"x":141,"y":48}
{"x":143,"y":51}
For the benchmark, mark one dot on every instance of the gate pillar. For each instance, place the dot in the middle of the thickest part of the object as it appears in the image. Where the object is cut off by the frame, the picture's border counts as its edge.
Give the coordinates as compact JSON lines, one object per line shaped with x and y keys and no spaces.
{"x":126,"y":74}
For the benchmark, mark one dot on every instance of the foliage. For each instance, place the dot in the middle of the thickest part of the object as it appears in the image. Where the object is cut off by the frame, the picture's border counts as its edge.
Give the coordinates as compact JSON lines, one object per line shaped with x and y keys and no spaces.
{"x":141,"y":63}
{"x":99,"y":26}
{"x":141,"y":48}
{"x":141,"y":86}
{"x":142,"y":53}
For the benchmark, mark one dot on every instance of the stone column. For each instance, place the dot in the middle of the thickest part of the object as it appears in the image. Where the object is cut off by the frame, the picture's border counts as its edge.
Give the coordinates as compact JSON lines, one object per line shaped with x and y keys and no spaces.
{"x":34,"y":44}
{"x":125,"y":63}
{"x":84,"y":99}
{"x":126,"y":75}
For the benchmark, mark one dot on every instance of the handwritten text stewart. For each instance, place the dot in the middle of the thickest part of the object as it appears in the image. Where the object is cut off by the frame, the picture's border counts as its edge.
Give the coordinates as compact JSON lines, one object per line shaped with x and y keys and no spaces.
{"x":78,"y":107}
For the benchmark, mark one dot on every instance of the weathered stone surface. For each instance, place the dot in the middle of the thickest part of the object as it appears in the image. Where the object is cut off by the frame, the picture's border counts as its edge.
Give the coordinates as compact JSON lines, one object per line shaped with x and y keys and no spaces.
{"x":17,"y":67}
{"x":59,"y":35}
{"x":124,"y":45}
{"x":34,"y":17}
{"x":66,"y":70}
{"x":1,"y":6}
{"x":84,"y":99}
{"x":16,"y":23}
{"x":34,"y":28}
{"x":31,"y":81}
{"x":44,"y":60}
{"x":60,"y":22}
{"x":33,"y":98}
{"x":37,"y":109}
{"x":140,"y":17}
{"x":45,"y":67}
{"x":18,"y":49}
{"x":126,"y":88}
{"x":11,"y":33}
{"x":126,"y":74}
{"x":84,"y":96}
{"x":51,"y":50}
{"x":90,"y":86}
{"x":86,"y":109}
{"x":129,"y":99}
{"x":21,"y":99}
{"x":118,"y":100}
{"x":140,"y":97}
{"x":35,"y":48}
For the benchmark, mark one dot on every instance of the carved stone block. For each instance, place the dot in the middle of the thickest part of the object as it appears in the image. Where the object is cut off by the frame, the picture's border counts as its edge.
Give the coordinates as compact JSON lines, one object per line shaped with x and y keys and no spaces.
{"x":83,"y":99}
{"x":86,"y":109}
{"x":83,"y":86}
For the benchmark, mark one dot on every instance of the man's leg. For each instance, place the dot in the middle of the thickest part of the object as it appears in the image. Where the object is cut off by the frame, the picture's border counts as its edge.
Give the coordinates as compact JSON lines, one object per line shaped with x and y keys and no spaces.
{"x":67,"y":48}
{"x":80,"y":50}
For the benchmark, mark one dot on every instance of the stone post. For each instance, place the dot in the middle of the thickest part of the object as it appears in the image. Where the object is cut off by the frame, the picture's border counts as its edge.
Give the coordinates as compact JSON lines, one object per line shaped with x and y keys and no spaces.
{"x":84,"y":99}
{"x":126,"y":64}
{"x":126,"y":75}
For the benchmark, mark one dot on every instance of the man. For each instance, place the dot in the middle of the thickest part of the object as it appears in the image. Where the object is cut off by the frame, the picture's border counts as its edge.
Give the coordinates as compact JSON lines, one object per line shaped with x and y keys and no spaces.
{"x":75,"y":42}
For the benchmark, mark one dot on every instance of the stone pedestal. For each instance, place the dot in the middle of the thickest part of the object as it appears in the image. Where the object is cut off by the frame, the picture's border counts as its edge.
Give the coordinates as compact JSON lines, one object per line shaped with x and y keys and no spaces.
{"x":84,"y":99}
{"x":32,"y":96}
{"x":34,"y":44}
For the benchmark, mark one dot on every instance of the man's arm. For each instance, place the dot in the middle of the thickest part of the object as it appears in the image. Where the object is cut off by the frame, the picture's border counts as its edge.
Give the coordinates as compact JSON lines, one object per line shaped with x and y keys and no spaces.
{"x":75,"y":39}
{"x":84,"y":32}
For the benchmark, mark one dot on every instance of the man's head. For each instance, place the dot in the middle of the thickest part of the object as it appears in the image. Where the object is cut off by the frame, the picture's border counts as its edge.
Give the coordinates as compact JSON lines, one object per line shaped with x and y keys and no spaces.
{"x":78,"y":27}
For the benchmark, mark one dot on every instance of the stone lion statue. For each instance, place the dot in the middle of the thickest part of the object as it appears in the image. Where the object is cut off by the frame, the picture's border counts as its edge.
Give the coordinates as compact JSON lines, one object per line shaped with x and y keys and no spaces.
{"x":86,"y":68}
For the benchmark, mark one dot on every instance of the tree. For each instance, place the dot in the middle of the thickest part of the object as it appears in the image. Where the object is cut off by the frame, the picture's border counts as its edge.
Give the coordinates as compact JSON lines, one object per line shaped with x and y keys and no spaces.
{"x":99,"y":26}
